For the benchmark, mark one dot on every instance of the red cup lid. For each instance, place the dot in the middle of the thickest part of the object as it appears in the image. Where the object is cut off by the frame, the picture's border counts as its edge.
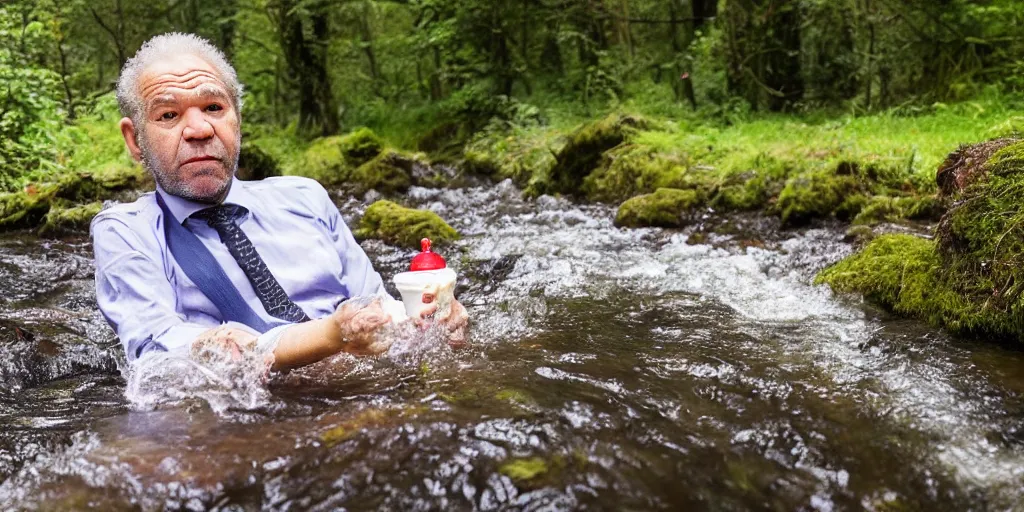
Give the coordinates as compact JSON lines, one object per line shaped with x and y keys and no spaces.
{"x":427,"y":260}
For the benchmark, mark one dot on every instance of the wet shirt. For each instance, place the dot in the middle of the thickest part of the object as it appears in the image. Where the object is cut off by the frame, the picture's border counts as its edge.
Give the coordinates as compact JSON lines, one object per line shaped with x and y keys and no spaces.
{"x":294,"y":226}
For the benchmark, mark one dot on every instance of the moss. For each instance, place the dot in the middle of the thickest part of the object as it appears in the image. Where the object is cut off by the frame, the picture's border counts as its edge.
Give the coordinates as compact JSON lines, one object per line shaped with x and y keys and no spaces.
{"x":750,"y":193}
{"x":402,"y":226}
{"x":815,"y":195}
{"x":61,"y":219}
{"x":582,"y":154}
{"x":514,"y":396}
{"x":524,"y":470}
{"x":359,"y":146}
{"x":388,"y":173}
{"x":881,"y":209}
{"x":631,"y":169}
{"x":256,"y":164}
{"x":23,"y":209}
{"x":479,"y":163}
{"x":323,"y":161}
{"x":349,"y":428}
{"x":666,"y":207}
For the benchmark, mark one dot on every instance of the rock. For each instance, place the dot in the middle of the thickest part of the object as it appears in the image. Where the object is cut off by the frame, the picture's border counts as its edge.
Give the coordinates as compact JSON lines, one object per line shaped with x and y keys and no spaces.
{"x":666,"y":207}
{"x":818,"y":195}
{"x":582,"y":154}
{"x":628,"y":170}
{"x":970,"y":279}
{"x":402,"y":226}
{"x":256,"y":164}
{"x":389,"y":172}
{"x":360,"y":146}
{"x":63,"y":219}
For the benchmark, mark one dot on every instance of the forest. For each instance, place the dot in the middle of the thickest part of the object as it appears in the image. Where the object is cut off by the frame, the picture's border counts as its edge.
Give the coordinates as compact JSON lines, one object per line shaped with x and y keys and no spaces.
{"x":426,"y":73}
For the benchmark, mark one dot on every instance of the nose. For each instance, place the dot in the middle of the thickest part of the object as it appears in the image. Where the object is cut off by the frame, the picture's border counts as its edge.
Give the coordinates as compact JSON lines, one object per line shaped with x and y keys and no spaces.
{"x":197,"y":127}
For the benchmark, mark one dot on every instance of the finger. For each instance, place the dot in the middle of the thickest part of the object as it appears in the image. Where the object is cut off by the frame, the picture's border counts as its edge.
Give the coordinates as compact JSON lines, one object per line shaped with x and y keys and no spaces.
{"x":429,"y":310}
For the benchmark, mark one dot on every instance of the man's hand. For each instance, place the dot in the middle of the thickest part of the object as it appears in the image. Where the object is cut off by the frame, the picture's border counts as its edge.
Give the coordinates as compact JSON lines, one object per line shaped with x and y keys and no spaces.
{"x":225,"y":341}
{"x":456,"y":323}
{"x":359,"y":325}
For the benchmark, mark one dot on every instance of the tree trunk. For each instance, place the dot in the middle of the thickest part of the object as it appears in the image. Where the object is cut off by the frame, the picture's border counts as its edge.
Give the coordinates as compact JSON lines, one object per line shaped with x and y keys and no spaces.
{"x":764,"y":51}
{"x":307,"y":63}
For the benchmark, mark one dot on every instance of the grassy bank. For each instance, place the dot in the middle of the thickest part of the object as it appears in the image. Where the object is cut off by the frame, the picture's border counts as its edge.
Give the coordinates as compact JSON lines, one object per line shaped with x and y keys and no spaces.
{"x":862,"y":169}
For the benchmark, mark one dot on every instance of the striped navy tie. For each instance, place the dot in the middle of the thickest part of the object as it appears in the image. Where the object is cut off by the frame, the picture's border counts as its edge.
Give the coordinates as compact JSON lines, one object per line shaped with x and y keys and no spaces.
{"x":272,"y":295}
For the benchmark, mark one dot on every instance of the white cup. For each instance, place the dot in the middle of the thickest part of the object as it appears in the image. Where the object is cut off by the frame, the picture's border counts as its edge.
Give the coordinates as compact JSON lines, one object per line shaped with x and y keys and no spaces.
{"x":440,"y":283}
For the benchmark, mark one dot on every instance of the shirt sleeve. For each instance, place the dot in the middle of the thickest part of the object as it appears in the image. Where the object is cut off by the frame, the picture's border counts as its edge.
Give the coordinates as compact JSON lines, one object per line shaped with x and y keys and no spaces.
{"x":134,"y":295}
{"x":359,"y":277}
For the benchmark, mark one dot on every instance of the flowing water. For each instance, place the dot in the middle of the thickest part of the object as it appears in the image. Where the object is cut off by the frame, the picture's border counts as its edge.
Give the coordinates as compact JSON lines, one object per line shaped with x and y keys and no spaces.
{"x":608,"y":369}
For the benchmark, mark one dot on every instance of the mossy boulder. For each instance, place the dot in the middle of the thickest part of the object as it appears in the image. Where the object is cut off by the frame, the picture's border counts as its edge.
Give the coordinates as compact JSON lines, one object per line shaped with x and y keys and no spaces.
{"x":62,"y":218}
{"x":404,"y":227}
{"x":665,"y":207}
{"x":970,"y":279}
{"x":630,"y":169}
{"x":23,"y":209}
{"x":585,"y":147}
{"x":359,"y":146}
{"x":905,"y":274}
{"x":816,"y":195}
{"x":389,"y":172}
{"x":256,"y":164}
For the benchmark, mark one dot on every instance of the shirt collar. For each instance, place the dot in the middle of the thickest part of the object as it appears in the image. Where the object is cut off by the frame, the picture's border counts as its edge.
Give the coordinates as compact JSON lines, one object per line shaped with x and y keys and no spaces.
{"x":182,"y":208}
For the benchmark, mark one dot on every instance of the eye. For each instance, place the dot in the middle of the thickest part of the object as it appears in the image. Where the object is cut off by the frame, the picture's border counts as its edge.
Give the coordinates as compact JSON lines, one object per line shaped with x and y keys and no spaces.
{"x":167,"y":116}
{"x":214,"y":107}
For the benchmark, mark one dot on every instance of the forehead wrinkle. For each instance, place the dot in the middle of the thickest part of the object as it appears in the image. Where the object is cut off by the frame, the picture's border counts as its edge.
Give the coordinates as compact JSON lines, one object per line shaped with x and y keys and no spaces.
{"x":177,"y":79}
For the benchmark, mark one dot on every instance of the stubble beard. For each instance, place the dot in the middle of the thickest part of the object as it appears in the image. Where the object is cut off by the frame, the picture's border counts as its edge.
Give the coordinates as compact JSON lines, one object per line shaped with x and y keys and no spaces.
{"x":174,"y":185}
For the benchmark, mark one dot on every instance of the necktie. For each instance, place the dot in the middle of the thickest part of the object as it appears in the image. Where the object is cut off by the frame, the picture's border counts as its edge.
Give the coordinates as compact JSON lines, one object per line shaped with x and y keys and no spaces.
{"x":272,"y":295}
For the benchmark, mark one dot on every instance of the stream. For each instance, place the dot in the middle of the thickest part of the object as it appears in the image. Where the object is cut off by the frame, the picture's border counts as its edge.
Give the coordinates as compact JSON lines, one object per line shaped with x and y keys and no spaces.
{"x":607,"y":369}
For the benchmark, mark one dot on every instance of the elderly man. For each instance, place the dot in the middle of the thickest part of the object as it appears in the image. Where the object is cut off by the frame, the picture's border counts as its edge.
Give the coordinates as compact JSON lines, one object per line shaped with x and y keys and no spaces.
{"x":211,"y":261}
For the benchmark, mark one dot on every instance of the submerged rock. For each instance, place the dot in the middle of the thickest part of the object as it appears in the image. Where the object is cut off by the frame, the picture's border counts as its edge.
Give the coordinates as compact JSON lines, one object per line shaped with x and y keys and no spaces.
{"x":970,"y":279}
{"x":666,"y":207}
{"x":402,"y":226}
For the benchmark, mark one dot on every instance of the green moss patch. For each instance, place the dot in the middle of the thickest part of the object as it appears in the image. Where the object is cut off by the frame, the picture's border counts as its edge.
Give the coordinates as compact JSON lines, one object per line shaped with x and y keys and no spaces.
{"x":971,"y":278}
{"x":360,"y":146}
{"x":524,"y":470}
{"x":666,"y":207}
{"x":62,"y":219}
{"x":389,"y":172}
{"x":585,"y":148}
{"x":404,"y":227}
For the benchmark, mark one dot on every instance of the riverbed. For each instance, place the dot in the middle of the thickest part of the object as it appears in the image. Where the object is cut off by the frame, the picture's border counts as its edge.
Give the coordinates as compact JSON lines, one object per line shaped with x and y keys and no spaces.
{"x":607,"y":369}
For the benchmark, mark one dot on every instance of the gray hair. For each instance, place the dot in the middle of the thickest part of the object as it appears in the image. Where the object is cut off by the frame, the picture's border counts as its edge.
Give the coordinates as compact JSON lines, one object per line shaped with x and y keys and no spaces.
{"x":164,"y":46}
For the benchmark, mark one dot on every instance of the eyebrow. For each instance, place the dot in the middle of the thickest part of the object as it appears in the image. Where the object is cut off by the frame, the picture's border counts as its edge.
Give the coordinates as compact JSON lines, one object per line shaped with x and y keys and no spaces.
{"x":203,"y":91}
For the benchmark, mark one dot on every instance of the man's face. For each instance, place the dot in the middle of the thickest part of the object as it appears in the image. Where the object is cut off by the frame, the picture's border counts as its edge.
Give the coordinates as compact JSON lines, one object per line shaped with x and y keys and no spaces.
{"x":190,"y":137}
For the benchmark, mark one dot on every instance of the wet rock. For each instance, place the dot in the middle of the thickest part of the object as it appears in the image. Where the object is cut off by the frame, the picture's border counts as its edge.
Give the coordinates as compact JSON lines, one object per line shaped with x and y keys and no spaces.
{"x":256,"y":164}
{"x":402,"y":226}
{"x":631,"y":169}
{"x":666,"y":207}
{"x":818,"y":195}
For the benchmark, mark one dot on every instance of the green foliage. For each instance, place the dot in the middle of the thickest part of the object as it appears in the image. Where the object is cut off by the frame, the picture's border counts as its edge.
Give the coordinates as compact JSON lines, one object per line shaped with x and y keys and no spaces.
{"x":62,"y":219}
{"x":404,"y":227}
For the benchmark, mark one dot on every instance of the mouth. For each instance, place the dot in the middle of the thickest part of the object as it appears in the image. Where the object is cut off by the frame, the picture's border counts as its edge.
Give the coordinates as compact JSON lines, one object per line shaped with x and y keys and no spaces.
{"x":204,"y":158}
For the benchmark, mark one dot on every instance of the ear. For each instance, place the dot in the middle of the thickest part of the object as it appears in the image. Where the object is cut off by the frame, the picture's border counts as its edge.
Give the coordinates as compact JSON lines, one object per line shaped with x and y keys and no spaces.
{"x":130,"y":138}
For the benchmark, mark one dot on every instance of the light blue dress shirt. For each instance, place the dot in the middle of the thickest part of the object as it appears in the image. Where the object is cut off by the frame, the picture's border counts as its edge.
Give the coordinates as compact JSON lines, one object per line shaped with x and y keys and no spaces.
{"x":152,"y":305}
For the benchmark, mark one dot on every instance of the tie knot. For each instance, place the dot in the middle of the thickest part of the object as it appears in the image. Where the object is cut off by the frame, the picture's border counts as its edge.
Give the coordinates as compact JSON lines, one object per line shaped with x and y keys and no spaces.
{"x":220,"y":215}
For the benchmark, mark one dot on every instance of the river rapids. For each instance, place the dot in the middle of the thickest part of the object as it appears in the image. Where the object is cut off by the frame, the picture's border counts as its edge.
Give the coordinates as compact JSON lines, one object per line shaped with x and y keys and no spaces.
{"x":607,"y":369}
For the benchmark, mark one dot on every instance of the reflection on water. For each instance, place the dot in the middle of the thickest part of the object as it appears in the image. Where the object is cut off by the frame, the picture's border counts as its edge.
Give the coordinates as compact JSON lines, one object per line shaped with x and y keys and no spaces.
{"x":608,"y":369}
